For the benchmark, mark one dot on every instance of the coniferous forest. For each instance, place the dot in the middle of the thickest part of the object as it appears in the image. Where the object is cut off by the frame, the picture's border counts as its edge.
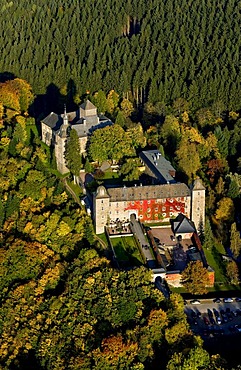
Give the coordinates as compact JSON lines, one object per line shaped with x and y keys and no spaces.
{"x":167,"y":72}
{"x":158,"y":50}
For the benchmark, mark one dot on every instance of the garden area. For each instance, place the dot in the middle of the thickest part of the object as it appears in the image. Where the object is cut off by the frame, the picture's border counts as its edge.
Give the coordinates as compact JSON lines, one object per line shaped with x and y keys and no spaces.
{"x":127,"y":251}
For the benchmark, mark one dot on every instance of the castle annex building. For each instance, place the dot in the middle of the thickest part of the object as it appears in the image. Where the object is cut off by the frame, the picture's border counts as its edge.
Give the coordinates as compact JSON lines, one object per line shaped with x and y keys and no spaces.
{"x":162,"y":200}
{"x":55,"y":129}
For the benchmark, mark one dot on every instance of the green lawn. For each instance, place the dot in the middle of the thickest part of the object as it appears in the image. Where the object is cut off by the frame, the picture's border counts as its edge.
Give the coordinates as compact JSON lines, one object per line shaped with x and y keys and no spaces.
{"x":214,"y":262}
{"x":126,"y":250}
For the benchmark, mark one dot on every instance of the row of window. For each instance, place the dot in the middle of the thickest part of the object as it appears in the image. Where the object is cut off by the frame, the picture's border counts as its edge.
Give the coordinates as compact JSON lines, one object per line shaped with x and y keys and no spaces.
{"x":149,"y":201}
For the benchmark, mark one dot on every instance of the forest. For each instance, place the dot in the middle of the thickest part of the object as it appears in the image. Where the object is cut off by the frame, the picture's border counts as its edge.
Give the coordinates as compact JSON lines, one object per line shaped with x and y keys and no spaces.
{"x":155,"y":51}
{"x":167,"y":72}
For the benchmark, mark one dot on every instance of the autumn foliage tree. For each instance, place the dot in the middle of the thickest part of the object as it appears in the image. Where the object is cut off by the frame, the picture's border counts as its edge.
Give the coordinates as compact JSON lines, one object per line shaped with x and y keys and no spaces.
{"x":195,"y":278}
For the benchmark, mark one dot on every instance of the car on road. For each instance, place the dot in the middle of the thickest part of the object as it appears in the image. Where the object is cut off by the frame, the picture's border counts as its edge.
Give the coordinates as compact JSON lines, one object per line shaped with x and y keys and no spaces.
{"x":217,"y":300}
{"x":228,"y":300}
{"x":195,"y":301}
{"x":238,"y":299}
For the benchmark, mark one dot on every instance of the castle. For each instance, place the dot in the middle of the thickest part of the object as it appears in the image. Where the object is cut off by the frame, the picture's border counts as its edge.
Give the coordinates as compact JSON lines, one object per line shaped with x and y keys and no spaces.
{"x":161,"y":200}
{"x":55,"y":130}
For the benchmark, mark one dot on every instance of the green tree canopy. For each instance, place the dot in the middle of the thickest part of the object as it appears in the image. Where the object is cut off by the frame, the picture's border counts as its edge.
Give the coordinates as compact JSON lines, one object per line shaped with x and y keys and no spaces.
{"x":72,"y":153}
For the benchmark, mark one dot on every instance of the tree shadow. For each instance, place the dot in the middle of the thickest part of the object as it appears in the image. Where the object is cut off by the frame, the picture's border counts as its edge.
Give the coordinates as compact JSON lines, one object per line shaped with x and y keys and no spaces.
{"x":53,"y":101}
{"x":7,"y":76}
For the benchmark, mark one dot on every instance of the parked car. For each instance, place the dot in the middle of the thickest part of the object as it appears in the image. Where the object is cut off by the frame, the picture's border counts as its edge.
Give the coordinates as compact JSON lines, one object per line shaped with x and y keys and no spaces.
{"x":224,"y":316}
{"x":212,"y":321}
{"x":228,"y":300}
{"x":238,"y":311}
{"x":206,"y":321}
{"x":238,"y":299}
{"x":195,"y":301}
{"x":219,"y":321}
{"x":210,"y":314}
{"x":217,"y":300}
{"x":193,"y":314}
{"x":229,"y":314}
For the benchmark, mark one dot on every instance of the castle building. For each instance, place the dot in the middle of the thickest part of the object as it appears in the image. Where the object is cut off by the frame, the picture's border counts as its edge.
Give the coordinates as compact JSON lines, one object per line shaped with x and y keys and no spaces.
{"x":159,"y":201}
{"x":55,"y":129}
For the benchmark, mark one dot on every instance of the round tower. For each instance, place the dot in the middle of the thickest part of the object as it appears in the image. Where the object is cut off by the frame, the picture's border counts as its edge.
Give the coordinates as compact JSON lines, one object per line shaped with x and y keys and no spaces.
{"x":198,"y":204}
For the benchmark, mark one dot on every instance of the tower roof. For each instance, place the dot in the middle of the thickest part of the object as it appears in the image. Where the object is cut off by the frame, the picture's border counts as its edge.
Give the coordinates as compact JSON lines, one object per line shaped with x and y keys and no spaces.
{"x":198,"y":185}
{"x":87,"y":105}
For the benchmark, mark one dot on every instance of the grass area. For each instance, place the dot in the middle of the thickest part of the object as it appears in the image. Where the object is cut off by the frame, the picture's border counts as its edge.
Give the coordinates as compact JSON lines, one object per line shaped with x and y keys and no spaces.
{"x":103,"y":237}
{"x":76,"y":188}
{"x":110,"y":175}
{"x":214,"y":262}
{"x":111,"y":178}
{"x":126,"y":250}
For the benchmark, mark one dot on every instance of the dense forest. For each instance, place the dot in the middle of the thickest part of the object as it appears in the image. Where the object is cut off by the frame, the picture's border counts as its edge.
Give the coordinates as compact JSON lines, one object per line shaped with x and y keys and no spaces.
{"x":168,"y":75}
{"x":158,"y":50}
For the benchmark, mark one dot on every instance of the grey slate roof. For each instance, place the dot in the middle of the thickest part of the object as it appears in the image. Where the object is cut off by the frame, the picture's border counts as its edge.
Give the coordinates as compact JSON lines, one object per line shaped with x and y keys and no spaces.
{"x":87,"y":105}
{"x":158,"y":165}
{"x":53,"y":120}
{"x":148,"y":192}
{"x":87,"y":128}
{"x":181,"y":224}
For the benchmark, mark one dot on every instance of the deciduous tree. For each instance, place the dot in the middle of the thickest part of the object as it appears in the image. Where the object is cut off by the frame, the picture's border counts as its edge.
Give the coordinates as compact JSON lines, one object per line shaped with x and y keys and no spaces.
{"x":195,"y":278}
{"x":72,"y":154}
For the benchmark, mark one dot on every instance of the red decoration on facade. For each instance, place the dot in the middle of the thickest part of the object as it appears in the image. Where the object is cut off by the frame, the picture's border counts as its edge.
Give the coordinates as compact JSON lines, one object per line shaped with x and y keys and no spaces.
{"x":157,"y":209}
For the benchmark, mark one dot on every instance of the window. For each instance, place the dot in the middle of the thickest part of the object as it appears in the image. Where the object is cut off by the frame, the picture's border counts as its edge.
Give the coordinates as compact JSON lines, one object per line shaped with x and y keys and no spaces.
{"x":156,"y":209}
{"x":102,"y":201}
{"x":140,"y":216}
{"x":141,"y":202}
{"x":148,"y":202}
{"x":198,"y":193}
{"x":171,"y":200}
{"x":148,"y":210}
{"x":156,"y":215}
{"x":102,"y":208}
{"x":116,"y":204}
{"x":163,"y":208}
{"x":171,"y":208}
{"x":164,"y":214}
{"x":148,"y":215}
{"x":132,"y":203}
{"x":171,"y":214}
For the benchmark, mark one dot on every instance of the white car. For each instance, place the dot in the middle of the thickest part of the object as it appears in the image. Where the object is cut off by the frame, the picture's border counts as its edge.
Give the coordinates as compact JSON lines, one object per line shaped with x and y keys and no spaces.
{"x":195,"y":301}
{"x":228,"y":300}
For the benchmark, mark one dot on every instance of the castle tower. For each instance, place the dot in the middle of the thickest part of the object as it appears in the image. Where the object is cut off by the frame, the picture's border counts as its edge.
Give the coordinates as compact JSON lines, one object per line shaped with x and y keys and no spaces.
{"x":60,"y":142}
{"x":198,"y":204}
{"x":101,"y":203}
